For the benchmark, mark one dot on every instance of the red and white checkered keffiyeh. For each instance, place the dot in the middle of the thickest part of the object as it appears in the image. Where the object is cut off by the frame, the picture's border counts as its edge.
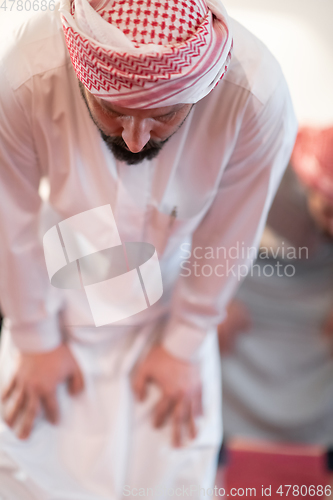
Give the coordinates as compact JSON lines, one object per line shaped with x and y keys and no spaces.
{"x":312,"y":158}
{"x":148,"y":53}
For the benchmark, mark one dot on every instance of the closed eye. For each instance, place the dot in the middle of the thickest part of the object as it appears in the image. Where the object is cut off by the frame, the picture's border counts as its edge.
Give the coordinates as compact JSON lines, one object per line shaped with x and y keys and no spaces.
{"x":166,"y":118}
{"x":110,"y":112}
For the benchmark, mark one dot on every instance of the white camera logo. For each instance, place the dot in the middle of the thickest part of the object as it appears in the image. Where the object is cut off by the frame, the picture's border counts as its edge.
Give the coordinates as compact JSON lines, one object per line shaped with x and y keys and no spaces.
{"x":120,"y":279}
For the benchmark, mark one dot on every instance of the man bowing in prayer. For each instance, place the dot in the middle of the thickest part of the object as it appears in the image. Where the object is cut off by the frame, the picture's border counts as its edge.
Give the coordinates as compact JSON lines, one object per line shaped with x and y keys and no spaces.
{"x":163,"y":129}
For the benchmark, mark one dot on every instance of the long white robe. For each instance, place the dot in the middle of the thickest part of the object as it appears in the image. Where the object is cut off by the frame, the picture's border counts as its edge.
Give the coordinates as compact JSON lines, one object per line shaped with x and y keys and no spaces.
{"x":220,"y":171}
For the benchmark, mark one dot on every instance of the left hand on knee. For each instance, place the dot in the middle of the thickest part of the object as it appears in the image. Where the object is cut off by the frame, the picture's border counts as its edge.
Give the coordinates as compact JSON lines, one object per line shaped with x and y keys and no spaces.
{"x":180,"y":385}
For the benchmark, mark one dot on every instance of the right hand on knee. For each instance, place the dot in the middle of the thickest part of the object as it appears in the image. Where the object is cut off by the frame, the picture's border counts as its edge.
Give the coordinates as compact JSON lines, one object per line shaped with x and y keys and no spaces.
{"x":33,"y":387}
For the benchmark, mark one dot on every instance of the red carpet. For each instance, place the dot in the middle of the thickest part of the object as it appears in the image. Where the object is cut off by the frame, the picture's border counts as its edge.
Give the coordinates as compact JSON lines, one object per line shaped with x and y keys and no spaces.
{"x":270,"y":466}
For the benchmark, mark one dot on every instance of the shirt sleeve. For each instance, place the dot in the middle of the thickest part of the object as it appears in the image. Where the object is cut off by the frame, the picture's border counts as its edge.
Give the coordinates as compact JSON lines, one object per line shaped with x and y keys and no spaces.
{"x":25,"y":291}
{"x":225,"y":243}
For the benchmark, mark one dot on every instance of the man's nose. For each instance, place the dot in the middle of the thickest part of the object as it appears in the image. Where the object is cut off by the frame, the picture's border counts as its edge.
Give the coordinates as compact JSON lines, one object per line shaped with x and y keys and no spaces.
{"x":136,"y":133}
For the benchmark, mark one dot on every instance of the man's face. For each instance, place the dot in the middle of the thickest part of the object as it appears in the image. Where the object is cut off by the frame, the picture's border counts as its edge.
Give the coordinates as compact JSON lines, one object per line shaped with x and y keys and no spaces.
{"x":134,"y":135}
{"x":321,"y":209}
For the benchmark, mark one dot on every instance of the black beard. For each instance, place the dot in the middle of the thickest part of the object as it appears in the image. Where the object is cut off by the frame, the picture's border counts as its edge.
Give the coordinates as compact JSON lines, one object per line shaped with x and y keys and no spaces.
{"x":118,"y":146}
{"x":120,"y":151}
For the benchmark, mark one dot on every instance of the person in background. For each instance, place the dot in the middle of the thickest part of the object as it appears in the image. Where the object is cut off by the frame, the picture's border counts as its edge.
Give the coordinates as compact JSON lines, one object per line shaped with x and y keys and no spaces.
{"x":278,"y":376}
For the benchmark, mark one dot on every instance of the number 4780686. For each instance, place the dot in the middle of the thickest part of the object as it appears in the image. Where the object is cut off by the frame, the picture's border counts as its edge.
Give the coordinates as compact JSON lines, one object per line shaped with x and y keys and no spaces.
{"x":303,"y":491}
{"x":27,"y":5}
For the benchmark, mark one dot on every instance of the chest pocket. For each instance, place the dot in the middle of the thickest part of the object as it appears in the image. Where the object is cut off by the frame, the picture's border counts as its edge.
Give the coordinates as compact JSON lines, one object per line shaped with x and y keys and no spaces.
{"x":167,"y":231}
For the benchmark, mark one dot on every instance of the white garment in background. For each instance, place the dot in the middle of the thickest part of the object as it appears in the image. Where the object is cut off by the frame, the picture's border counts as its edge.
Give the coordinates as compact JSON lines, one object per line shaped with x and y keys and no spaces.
{"x":219,"y":172}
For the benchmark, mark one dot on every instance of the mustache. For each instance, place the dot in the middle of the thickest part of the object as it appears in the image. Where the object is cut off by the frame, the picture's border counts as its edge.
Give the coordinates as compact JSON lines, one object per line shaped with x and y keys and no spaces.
{"x":119,"y":141}
{"x":120,"y":150}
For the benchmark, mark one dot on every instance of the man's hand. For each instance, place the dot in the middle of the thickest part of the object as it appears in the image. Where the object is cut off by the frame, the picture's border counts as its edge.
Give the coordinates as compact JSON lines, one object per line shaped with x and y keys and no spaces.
{"x":34,"y":387}
{"x":180,"y":385}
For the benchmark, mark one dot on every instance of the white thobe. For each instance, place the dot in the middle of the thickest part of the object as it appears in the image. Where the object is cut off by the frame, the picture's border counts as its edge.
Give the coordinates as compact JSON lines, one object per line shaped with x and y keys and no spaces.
{"x":218,"y":174}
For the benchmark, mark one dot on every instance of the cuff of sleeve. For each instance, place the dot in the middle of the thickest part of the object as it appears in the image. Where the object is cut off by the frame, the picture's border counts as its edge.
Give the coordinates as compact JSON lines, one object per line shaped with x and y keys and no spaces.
{"x":182,"y":340}
{"x":43,"y":336}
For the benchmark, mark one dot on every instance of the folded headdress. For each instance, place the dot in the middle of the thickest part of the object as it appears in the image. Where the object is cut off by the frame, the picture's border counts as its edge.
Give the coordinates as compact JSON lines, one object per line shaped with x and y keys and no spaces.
{"x":148,"y":53}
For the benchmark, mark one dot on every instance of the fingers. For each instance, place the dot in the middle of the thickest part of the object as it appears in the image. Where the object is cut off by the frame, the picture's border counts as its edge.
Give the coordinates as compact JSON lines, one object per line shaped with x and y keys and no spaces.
{"x":191,"y":425}
{"x":35,"y":383}
{"x":179,"y":417}
{"x":14,"y":406}
{"x":179,"y":382}
{"x":28,"y":416}
{"x":162,"y":411}
{"x":51,"y":407}
{"x":184,"y":418}
{"x":74,"y":379}
{"x":8,"y":390}
{"x":75,"y":383}
{"x":22,"y":409}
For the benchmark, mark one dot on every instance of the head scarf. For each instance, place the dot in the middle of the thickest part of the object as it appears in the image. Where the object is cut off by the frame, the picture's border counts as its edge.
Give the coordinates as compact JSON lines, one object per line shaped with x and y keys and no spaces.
{"x":312,"y":159}
{"x":148,"y":53}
